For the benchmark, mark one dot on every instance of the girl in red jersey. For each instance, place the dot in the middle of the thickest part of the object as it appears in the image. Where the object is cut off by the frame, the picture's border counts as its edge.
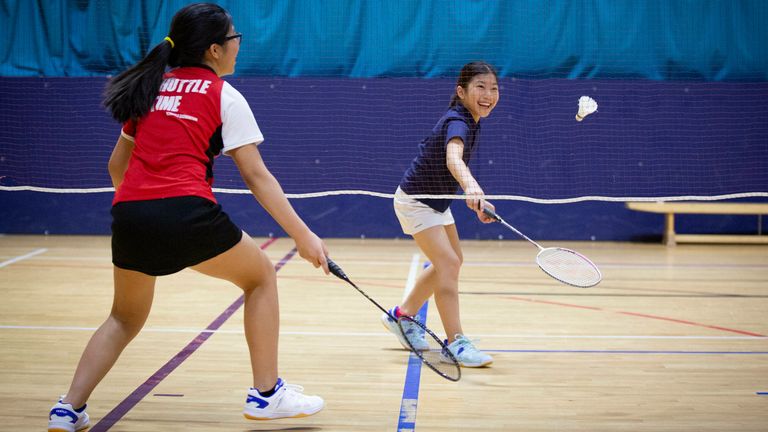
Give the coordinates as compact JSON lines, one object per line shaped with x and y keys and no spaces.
{"x":165,"y":217}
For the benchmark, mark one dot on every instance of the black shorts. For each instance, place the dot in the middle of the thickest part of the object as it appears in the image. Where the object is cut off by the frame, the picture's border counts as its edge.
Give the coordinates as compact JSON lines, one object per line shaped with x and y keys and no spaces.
{"x":164,"y":236}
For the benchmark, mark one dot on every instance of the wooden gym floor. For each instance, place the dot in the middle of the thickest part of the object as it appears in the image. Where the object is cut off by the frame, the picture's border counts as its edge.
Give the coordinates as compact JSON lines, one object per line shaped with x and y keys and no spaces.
{"x":673,"y":339}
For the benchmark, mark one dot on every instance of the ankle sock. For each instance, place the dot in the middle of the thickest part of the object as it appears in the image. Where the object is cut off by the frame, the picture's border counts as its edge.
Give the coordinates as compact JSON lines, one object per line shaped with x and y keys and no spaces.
{"x":268,"y":393}
{"x":77,"y":410}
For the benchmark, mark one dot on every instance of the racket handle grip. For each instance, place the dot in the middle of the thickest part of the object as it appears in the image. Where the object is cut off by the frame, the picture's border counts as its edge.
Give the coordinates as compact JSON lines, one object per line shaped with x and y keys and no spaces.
{"x":491,"y":214}
{"x":335,"y":269}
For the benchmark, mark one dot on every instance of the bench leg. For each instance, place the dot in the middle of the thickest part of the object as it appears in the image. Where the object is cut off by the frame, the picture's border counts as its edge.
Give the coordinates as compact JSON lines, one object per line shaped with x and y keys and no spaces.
{"x":669,"y":229}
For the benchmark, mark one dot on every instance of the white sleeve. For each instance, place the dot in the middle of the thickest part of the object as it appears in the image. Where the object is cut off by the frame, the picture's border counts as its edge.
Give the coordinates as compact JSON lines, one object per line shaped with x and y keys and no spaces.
{"x":239,"y":127}
{"x":126,"y":136}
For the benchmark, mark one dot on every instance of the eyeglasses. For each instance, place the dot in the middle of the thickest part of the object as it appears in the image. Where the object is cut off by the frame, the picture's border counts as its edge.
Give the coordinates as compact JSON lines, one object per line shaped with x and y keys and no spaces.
{"x":238,"y":36}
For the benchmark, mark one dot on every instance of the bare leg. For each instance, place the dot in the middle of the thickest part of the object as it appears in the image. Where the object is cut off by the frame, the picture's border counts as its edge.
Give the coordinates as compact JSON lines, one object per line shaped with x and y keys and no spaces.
{"x":441,"y":245}
{"x":248,"y":267}
{"x":134,"y":292}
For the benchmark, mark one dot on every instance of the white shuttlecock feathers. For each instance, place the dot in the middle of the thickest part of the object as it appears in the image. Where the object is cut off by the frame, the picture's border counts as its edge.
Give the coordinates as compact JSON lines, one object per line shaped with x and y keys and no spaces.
{"x":587,"y":106}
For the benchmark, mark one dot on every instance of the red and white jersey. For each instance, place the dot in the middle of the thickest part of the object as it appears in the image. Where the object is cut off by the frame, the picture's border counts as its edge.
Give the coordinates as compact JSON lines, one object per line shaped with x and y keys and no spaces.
{"x":195,"y":117}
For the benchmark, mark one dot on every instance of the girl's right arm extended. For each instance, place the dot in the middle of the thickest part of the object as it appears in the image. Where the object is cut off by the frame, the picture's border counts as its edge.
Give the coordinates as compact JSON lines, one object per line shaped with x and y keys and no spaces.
{"x":270,"y":195}
{"x":460,"y":171}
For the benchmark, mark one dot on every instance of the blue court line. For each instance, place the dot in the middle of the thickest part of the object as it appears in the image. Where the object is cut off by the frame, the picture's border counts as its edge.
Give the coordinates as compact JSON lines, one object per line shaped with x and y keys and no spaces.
{"x":631,"y":352}
{"x":410,"y":400}
{"x":407,"y":420}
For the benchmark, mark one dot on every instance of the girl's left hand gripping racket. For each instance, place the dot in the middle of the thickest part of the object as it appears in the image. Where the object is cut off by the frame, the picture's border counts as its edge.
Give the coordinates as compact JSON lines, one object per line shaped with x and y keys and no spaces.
{"x":438,"y":357}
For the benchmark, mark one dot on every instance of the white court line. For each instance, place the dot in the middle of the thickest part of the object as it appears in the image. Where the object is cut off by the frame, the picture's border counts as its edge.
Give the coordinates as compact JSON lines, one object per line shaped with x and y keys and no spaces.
{"x":77,"y":258}
{"x":411,"y":282}
{"x":23,"y":257}
{"x":532,"y":263}
{"x":383,"y":334}
{"x":491,"y":264}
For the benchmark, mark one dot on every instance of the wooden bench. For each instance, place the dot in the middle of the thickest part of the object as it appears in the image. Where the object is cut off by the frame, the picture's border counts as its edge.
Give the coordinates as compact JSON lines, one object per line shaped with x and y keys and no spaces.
{"x":669,"y":209}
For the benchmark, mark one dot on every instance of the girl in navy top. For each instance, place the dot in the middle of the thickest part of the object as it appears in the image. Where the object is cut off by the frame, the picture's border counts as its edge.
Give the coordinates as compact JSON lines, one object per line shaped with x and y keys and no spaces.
{"x":441,"y":168}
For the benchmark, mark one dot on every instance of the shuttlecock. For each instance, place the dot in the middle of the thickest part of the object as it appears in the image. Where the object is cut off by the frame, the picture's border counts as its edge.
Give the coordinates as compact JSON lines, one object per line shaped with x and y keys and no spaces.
{"x":587,"y":106}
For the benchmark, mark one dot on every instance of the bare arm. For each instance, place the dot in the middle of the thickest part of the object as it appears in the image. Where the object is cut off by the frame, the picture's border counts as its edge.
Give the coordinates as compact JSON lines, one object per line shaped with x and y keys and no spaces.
{"x":460,"y":171}
{"x":118,"y":161}
{"x":270,"y":195}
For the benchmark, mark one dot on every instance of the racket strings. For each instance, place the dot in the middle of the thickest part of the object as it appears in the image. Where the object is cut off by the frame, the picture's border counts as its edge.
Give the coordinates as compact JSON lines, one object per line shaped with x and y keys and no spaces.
{"x":439,"y":360}
{"x":429,"y":348}
{"x":569,"y":266}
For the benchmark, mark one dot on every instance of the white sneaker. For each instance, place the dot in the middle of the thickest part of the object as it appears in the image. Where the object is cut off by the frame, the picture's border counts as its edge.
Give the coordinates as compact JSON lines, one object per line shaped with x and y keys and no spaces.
{"x":466,"y":353}
{"x":414,"y":333}
{"x":64,"y":418}
{"x":288,"y":401}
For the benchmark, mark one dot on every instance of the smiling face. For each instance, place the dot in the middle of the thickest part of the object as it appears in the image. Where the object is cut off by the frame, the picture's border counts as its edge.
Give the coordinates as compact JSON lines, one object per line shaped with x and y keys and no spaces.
{"x":480,"y":96}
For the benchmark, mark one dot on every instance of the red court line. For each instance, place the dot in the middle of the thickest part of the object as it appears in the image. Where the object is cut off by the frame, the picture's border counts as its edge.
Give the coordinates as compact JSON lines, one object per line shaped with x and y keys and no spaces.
{"x":641,"y":315}
{"x":744,"y":332}
{"x":144,"y":389}
{"x":554,"y":303}
{"x":267,"y":243}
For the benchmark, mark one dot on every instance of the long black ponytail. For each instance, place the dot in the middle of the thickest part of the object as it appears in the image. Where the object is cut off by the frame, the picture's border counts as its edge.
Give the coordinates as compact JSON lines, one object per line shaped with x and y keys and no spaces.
{"x":194,"y":28}
{"x":469,"y":71}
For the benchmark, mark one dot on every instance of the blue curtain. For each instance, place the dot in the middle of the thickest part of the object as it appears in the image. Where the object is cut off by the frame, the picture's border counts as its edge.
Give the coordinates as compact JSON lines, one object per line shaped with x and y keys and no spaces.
{"x":654,"y":39}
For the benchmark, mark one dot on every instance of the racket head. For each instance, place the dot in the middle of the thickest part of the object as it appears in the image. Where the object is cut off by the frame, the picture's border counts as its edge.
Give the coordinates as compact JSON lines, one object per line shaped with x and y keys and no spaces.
{"x":438,"y":357}
{"x":569,"y":267}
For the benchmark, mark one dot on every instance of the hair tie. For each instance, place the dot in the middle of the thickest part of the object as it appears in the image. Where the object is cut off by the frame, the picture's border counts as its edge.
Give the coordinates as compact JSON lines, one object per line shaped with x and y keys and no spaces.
{"x":173,"y":45}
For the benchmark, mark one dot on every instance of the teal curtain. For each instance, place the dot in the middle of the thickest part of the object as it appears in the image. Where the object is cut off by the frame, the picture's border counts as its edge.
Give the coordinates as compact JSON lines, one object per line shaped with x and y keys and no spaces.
{"x":655,"y":39}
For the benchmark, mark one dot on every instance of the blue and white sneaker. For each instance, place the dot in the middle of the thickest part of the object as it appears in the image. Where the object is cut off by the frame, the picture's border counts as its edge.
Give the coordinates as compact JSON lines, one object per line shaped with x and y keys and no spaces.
{"x":415,"y":333}
{"x":64,"y":418}
{"x":288,"y":401}
{"x":466,"y":353}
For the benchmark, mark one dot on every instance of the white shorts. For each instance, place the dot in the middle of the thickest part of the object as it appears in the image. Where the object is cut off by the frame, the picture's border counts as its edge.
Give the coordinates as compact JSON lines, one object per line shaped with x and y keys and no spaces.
{"x":415,"y":216}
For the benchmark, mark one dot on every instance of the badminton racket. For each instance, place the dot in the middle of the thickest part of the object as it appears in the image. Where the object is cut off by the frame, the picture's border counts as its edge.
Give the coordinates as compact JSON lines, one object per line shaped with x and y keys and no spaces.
{"x":437,"y":357}
{"x":565,"y":265}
